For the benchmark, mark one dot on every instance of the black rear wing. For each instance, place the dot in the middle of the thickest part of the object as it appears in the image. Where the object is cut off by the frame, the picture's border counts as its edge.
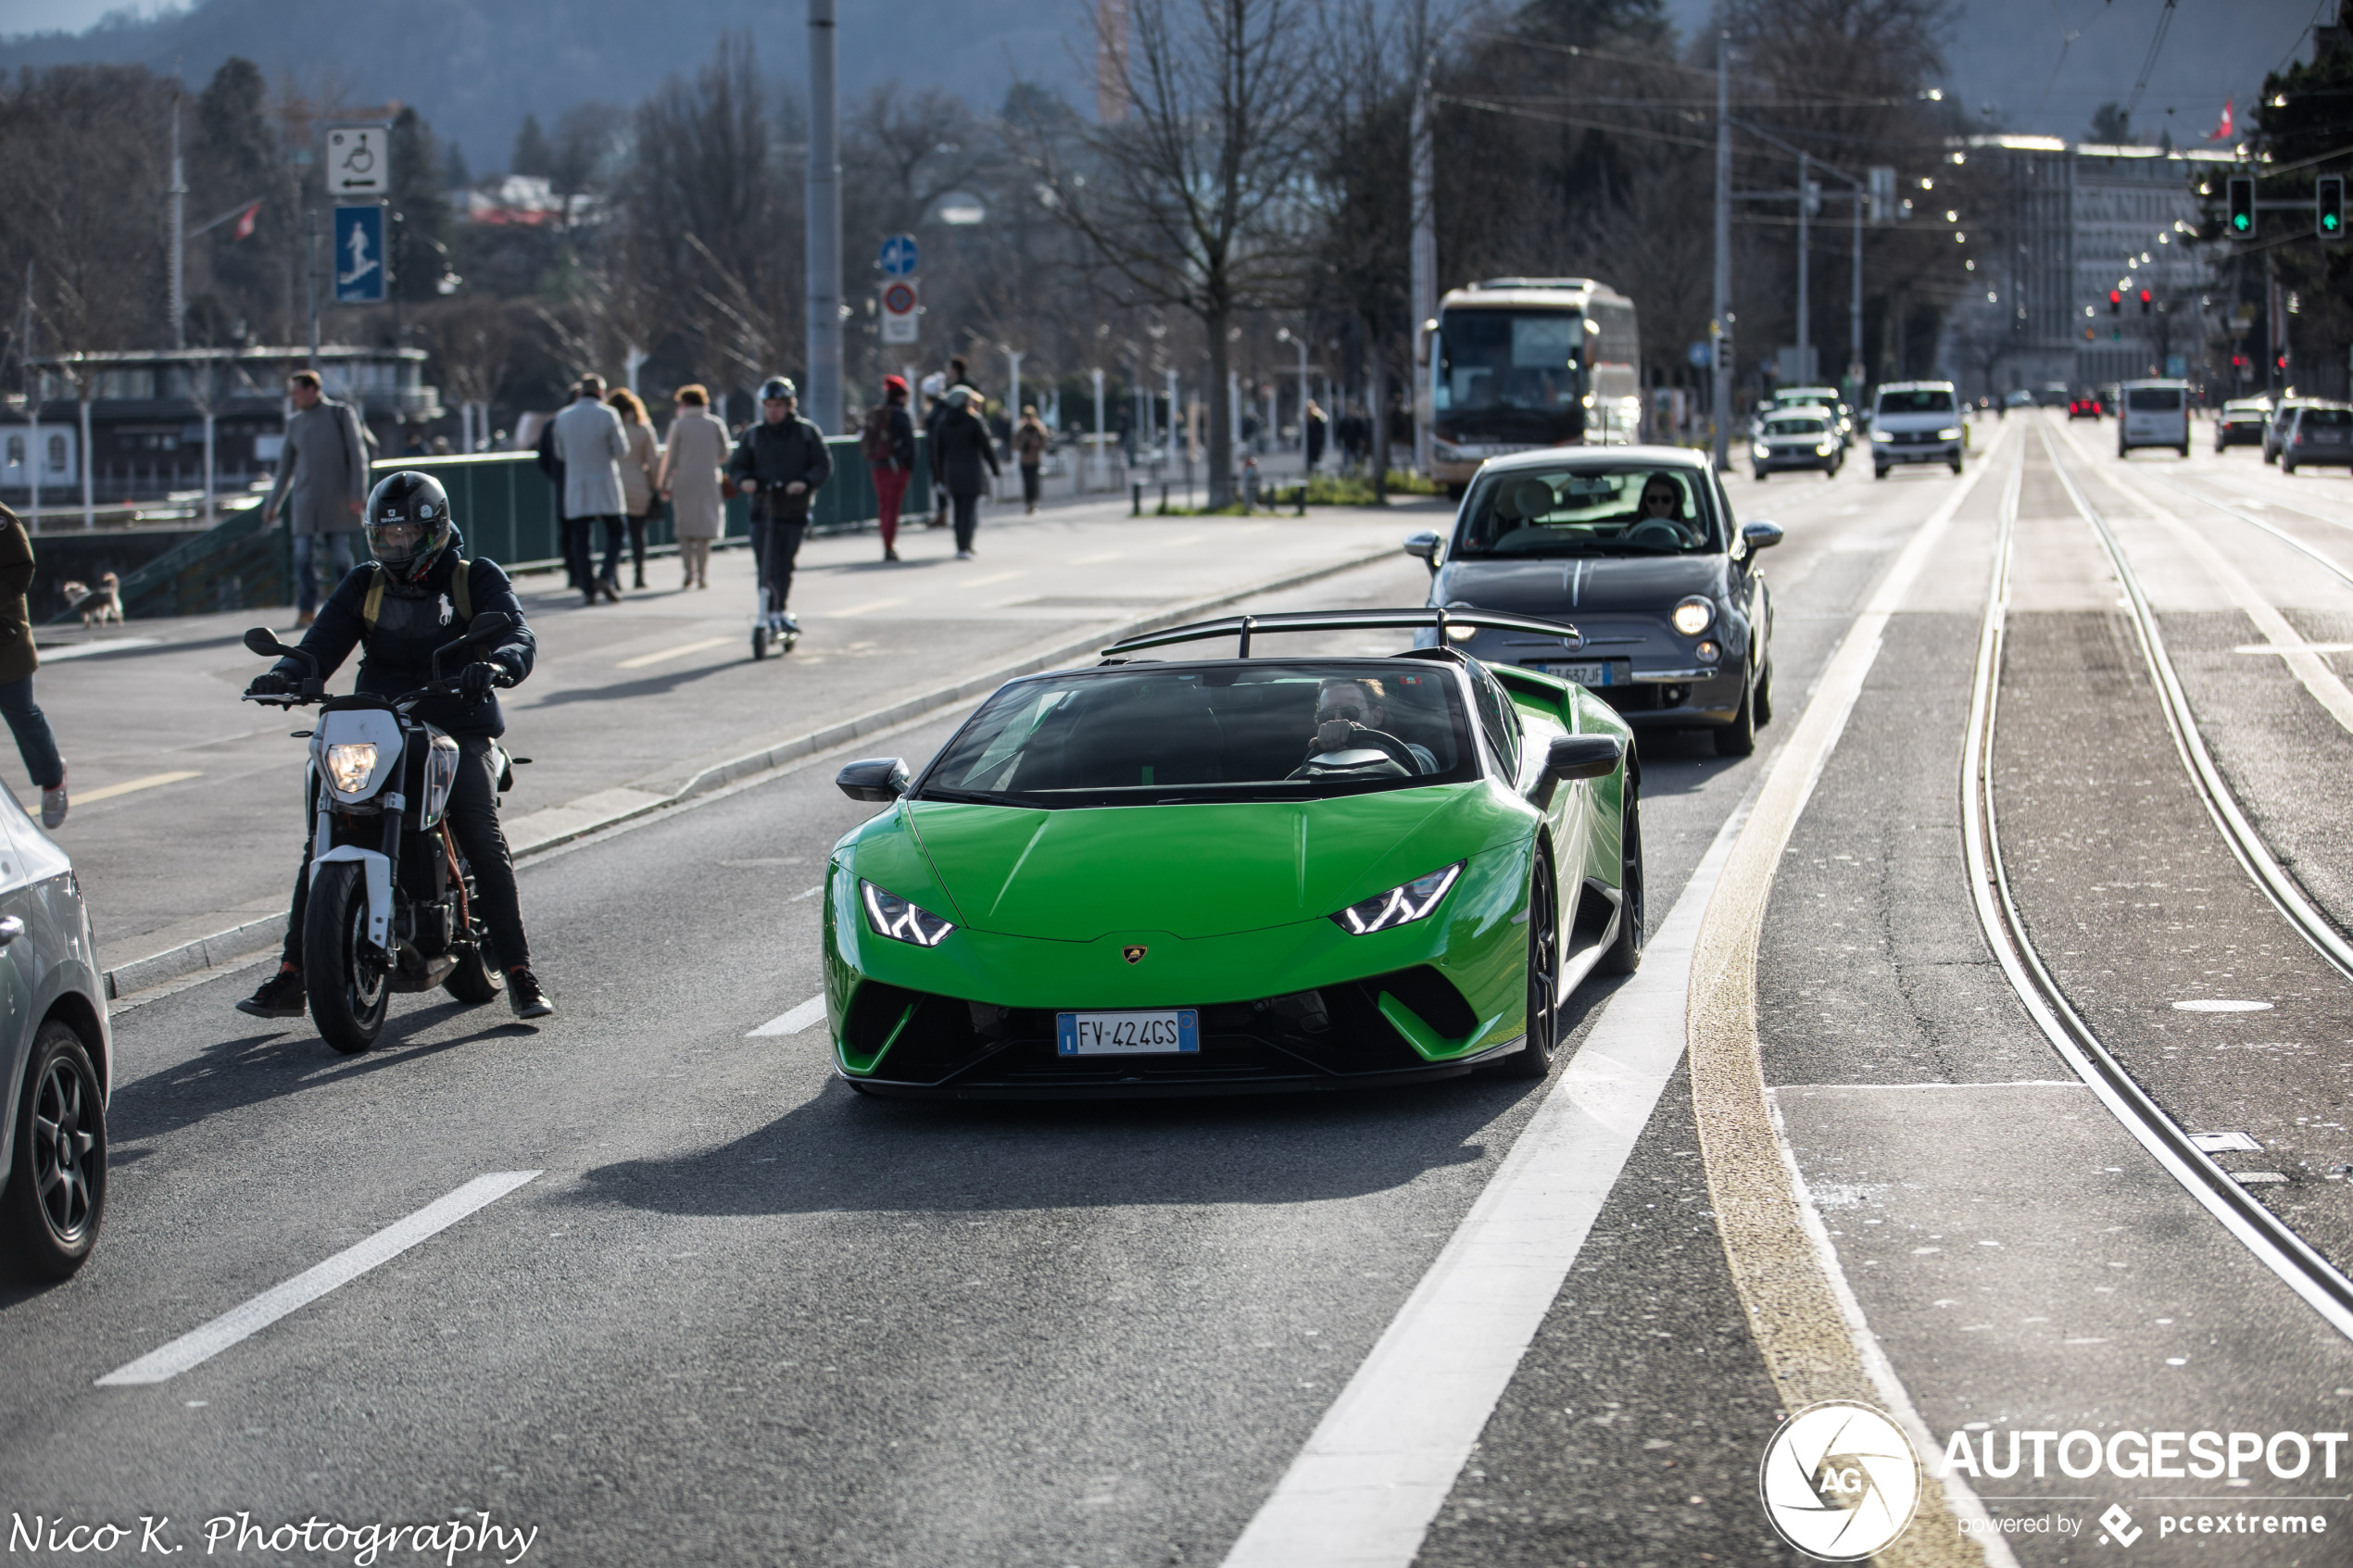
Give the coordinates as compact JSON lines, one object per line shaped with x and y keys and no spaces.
{"x":1242,"y":627}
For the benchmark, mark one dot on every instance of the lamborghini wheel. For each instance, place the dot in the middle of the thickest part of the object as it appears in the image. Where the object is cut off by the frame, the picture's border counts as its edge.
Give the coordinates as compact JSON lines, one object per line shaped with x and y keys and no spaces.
{"x":1625,"y":955}
{"x":1535,"y":1059}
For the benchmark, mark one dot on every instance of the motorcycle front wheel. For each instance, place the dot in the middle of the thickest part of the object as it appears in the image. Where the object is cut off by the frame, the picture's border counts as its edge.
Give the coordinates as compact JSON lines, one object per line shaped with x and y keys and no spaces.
{"x":344,"y":973}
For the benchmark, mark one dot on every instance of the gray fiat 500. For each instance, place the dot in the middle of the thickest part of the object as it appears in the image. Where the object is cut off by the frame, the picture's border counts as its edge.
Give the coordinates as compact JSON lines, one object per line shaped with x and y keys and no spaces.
{"x":58,"y":1055}
{"x":1637,"y":547}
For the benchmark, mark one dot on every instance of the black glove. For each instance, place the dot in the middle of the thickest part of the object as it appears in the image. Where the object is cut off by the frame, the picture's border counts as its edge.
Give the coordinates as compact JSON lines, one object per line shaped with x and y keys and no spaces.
{"x":475,"y":680}
{"x":269,"y":683}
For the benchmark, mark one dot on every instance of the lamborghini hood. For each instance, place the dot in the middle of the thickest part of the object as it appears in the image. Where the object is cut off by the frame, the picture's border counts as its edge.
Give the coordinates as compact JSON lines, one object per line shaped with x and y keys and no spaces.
{"x":1191,"y":871}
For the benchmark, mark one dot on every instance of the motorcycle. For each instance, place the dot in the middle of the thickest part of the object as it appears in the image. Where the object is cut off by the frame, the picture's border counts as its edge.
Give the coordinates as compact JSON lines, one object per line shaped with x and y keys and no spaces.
{"x":392,"y":899}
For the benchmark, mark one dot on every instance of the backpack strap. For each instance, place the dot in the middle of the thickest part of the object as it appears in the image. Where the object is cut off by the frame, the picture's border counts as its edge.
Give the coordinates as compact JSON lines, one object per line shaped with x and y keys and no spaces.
{"x":461,"y":595}
{"x":374,"y":604}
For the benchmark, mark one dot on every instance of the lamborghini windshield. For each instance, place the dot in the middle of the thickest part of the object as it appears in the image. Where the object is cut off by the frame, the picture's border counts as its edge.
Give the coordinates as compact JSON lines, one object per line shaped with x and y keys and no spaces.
{"x":1593,"y":509}
{"x":1247,"y":729}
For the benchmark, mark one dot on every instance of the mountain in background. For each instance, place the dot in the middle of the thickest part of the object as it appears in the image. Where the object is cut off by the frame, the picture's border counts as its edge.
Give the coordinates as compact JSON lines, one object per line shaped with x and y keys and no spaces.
{"x":475,"y":67}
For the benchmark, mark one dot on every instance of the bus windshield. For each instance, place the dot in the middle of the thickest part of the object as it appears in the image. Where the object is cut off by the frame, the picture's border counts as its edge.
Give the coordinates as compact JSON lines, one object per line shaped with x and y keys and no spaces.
{"x":1510,"y":375}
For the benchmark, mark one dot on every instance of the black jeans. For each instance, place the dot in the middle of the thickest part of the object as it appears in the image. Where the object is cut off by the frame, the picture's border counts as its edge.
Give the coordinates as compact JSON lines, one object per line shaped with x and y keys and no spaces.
{"x":472,"y":816}
{"x":579,"y":549}
{"x":775,"y":545}
{"x":967,"y":517}
{"x":1029,"y":485}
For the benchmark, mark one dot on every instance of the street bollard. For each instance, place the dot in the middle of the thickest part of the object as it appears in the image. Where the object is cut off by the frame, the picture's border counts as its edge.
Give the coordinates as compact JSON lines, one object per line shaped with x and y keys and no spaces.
{"x":1137,"y":508}
{"x":1164,"y":497}
{"x":1300,"y":496}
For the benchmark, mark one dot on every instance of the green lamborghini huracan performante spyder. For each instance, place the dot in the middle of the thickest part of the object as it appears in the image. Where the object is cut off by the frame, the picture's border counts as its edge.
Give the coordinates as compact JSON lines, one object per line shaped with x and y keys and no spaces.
{"x":1220,"y":875}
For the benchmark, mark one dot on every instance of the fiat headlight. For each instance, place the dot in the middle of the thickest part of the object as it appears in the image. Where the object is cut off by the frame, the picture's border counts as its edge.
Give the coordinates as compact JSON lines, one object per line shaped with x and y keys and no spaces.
{"x":1952,"y":435}
{"x":901,"y":920}
{"x":1399,"y":905}
{"x":350,"y":765}
{"x":1691,"y":616}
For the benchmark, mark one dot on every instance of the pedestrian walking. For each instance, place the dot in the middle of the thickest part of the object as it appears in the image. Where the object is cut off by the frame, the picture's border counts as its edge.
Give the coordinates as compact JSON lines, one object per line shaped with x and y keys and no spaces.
{"x":781,"y":464}
{"x":544,"y":447}
{"x":19,"y":659}
{"x":938,"y":386}
{"x":691,"y":461}
{"x":590,"y":444}
{"x":962,"y":452}
{"x":1317,"y":428}
{"x":888,"y":443}
{"x":322,"y":478}
{"x":639,"y":495}
{"x":1031,"y":440}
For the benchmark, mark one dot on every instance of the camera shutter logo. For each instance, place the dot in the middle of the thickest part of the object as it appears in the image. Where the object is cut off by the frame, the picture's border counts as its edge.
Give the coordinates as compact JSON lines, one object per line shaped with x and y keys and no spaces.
{"x":1839,"y":1481}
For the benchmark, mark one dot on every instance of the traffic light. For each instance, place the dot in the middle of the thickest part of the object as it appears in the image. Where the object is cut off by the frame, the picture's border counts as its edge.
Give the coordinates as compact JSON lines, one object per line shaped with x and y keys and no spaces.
{"x":2145,"y":302}
{"x":2116,"y":302}
{"x":2241,"y":222}
{"x":2328,"y":206}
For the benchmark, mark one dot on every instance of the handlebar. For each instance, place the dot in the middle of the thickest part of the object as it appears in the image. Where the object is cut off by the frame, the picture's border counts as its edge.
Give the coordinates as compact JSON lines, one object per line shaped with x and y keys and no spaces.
{"x":404,"y":701}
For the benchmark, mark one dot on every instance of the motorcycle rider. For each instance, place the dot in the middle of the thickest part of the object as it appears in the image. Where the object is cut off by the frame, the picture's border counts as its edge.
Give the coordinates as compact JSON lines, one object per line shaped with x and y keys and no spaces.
{"x":397,"y":609}
{"x":780,"y":463}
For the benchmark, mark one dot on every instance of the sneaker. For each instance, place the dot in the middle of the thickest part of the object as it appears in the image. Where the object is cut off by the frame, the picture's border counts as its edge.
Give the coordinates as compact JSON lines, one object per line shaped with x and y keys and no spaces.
{"x":964,"y":555}
{"x":524,"y":995}
{"x":890,"y":555}
{"x":281,"y":995}
{"x":53,"y":805}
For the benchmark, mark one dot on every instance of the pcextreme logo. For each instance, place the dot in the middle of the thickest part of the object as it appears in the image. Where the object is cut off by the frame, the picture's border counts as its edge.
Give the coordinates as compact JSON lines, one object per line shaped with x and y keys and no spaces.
{"x":1839,"y":1481}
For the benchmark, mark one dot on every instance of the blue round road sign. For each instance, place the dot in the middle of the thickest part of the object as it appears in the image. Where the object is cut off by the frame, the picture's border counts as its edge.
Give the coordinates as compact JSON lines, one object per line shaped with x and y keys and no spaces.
{"x":899,"y":256}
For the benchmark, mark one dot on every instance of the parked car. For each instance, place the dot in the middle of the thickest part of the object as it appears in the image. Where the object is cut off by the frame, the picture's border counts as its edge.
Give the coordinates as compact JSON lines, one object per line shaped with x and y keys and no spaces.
{"x":2241,"y":423}
{"x":59,"y":1055}
{"x":1916,"y":422}
{"x":2155,"y":413}
{"x":1639,"y":547}
{"x":2274,"y":427}
{"x":2321,"y":434}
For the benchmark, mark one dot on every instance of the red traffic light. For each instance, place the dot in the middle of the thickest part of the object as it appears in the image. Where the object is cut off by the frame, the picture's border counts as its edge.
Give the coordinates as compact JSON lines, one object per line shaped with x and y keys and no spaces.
{"x":2115,"y":301}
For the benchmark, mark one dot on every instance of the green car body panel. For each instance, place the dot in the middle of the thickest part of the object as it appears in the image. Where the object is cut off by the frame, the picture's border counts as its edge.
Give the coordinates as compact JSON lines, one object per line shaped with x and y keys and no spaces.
{"x":1231,"y":902}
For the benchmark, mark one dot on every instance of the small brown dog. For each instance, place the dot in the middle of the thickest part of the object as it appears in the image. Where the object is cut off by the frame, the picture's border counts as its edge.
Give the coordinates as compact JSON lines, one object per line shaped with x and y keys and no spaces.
{"x":95,"y":606}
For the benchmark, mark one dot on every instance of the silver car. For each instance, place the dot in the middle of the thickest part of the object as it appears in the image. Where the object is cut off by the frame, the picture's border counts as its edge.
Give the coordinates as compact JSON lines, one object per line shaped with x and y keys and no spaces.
{"x":1635,"y":546}
{"x":2317,"y":433}
{"x":59,"y":1056}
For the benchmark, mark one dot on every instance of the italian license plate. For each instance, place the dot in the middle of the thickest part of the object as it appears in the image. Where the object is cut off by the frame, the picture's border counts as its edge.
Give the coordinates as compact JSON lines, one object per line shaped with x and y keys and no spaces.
{"x":1161,"y":1032}
{"x":1594,"y":672}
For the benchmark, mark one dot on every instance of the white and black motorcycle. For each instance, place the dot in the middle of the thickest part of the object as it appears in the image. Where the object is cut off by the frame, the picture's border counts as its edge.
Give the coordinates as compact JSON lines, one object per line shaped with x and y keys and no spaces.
{"x":391,"y":905}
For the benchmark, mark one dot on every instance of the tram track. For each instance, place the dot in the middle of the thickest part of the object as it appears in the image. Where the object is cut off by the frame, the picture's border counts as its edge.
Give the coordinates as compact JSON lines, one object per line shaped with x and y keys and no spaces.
{"x":2265,"y":1235}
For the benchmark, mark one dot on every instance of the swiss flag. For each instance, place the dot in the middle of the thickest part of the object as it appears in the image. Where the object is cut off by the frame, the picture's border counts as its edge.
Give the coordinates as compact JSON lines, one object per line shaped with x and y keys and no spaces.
{"x":2223,"y":132}
{"x":246,"y":220}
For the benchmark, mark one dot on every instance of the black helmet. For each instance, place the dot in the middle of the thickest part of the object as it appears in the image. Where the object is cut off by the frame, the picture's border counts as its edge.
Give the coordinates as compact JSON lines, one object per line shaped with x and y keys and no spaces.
{"x":777,"y":386}
{"x":407,"y":523}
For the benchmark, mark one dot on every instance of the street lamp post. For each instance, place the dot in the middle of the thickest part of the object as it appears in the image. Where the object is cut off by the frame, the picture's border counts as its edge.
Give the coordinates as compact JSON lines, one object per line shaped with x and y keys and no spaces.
{"x":825,"y":400}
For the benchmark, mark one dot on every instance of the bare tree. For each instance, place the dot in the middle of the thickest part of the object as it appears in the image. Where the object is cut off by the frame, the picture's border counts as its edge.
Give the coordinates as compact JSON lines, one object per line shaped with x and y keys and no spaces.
{"x":1191,"y":199}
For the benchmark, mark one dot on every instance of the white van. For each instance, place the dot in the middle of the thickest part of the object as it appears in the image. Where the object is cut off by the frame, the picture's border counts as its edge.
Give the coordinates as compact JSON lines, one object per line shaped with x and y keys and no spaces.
{"x":2155,"y":413}
{"x":1915,"y":421}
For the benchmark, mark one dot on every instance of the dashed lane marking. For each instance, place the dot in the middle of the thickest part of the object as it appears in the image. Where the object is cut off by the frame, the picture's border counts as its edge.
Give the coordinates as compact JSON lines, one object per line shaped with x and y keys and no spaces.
{"x":242,"y":1322}
{"x":105,"y":645}
{"x":681,"y":651}
{"x":869,"y":605}
{"x":793,"y":1022}
{"x":132,"y":787}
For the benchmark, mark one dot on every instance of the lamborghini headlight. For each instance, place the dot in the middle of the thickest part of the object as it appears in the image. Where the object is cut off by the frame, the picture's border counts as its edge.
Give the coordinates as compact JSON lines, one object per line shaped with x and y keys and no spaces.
{"x":350,"y":765}
{"x":894,"y":917}
{"x":1399,"y":905}
{"x":1691,"y":616}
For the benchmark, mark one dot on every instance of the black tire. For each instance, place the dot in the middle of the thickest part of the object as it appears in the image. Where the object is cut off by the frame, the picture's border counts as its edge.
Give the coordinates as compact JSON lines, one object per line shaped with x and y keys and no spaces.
{"x":347,"y":990}
{"x":2287,"y":464}
{"x":1957,"y":465}
{"x":57,"y":1194}
{"x":759,"y":641}
{"x":1739,"y":738}
{"x":1764,"y":698}
{"x":477,"y":979}
{"x":1760,"y":475}
{"x":1535,"y":1060}
{"x":1625,"y":954}
{"x":2185,"y":449}
{"x":1878,"y":471}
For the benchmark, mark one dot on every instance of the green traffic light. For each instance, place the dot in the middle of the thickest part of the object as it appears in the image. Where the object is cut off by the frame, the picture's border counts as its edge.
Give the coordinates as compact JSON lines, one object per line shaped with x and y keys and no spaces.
{"x":2240,"y":221}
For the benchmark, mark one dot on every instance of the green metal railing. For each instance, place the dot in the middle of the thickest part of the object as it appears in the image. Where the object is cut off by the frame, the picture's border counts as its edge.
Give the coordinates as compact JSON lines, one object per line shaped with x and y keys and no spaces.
{"x":505,"y":508}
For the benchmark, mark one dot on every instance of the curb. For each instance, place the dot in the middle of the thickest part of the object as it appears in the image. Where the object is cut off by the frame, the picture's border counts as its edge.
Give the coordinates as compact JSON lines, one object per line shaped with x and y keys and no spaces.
{"x":238,"y":941}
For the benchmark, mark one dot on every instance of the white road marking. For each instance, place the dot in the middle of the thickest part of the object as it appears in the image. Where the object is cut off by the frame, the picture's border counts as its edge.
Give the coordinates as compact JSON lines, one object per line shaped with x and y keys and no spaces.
{"x":873,"y":604}
{"x":1097,"y":560}
{"x":104,"y":644}
{"x":793,"y":1022}
{"x":1382,"y":1460}
{"x":132,"y":787}
{"x":984,"y":582}
{"x":2295,"y":647}
{"x":242,"y":1322}
{"x":681,"y":651}
{"x":2219,"y":1005}
{"x":806,"y":893}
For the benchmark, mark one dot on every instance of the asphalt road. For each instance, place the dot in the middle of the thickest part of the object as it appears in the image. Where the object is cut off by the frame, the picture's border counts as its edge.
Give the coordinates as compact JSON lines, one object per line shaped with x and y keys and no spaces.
{"x":742,"y":1314}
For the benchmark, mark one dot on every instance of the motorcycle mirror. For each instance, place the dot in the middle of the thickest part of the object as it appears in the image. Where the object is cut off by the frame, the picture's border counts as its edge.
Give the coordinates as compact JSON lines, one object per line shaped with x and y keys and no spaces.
{"x":875,"y":778}
{"x":262,"y":640}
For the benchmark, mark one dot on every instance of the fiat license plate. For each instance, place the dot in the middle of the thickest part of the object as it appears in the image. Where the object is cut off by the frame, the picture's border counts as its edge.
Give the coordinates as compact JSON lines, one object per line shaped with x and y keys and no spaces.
{"x":1161,"y":1032}
{"x":1597,"y":672}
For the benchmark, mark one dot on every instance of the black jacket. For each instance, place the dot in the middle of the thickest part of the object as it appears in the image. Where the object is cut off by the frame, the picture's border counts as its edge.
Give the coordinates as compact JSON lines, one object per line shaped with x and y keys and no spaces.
{"x":961,"y":448}
{"x":776,"y":455}
{"x":902,"y":436}
{"x":411,"y":623}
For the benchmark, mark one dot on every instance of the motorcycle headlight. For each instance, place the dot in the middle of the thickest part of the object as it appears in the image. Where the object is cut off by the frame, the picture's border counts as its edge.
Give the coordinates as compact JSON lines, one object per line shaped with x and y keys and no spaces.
{"x":894,"y":917}
{"x":1691,"y":616}
{"x":1952,"y":435}
{"x":1882,"y":435}
{"x":350,"y":765}
{"x":1399,"y":905}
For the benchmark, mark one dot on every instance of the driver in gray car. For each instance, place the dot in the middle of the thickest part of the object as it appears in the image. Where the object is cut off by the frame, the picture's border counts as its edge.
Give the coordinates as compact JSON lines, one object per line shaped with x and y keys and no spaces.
{"x":1340,"y":704}
{"x":1661,"y":511}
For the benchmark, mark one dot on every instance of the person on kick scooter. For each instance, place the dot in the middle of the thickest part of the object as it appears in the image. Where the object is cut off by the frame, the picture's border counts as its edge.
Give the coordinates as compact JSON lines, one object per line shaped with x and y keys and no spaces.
{"x":781,"y":463}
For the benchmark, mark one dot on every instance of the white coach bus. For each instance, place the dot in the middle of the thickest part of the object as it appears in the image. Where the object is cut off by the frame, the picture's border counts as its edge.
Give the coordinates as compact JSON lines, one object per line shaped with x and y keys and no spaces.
{"x":1523,"y":362}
